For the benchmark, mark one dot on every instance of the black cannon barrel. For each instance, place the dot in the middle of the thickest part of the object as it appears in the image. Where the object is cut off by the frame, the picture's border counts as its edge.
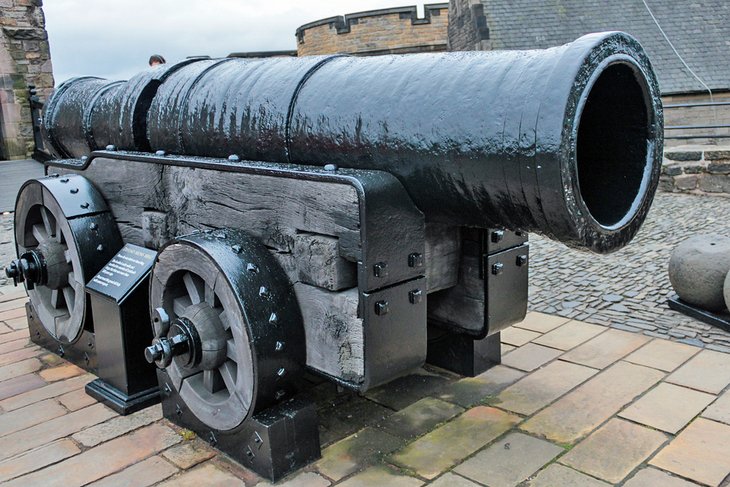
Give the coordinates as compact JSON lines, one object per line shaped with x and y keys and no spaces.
{"x":565,"y":141}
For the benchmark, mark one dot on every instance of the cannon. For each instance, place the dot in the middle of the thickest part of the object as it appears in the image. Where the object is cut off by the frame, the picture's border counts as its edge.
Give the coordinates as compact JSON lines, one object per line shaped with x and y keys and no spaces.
{"x":353,"y":217}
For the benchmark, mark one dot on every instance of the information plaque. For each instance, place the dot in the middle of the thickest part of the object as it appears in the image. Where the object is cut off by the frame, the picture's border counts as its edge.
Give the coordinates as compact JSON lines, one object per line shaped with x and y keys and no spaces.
{"x":121,"y":275}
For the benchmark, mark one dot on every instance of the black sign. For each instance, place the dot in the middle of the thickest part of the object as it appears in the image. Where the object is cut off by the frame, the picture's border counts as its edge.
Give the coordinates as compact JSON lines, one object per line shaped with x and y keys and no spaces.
{"x":123,"y":273}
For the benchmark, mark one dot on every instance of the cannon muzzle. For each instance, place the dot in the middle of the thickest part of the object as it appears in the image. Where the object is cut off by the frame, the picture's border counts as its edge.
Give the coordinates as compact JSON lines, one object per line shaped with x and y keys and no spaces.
{"x":565,"y":141}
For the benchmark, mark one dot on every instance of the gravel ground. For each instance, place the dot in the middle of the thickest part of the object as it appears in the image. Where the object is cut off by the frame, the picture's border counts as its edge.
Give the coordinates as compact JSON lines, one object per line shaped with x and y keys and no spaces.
{"x":628,"y":289}
{"x":625,"y":290}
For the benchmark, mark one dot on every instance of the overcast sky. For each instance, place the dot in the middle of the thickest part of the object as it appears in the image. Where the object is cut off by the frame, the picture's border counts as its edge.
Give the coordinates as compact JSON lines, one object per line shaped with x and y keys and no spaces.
{"x":115,"y":38}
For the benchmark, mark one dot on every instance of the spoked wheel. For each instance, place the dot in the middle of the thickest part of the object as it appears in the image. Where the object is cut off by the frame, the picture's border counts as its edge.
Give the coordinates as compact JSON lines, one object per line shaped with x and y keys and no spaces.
{"x":64,"y":234}
{"x":228,"y":328}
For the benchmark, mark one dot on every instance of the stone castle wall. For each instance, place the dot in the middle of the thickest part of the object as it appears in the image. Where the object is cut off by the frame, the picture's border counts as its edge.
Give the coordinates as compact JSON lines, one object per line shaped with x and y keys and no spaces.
{"x":25,"y":60}
{"x":387,"y":31}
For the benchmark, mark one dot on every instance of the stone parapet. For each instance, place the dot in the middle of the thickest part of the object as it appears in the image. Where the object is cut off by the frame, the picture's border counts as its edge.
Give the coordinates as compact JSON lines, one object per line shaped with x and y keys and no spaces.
{"x":696,"y":169}
{"x":386,"y":31}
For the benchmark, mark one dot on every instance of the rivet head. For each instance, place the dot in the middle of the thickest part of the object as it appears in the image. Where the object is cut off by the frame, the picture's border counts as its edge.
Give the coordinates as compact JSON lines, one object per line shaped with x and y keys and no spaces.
{"x":497,"y":236}
{"x":84,"y":158}
{"x":264,"y":292}
{"x":100,"y":248}
{"x":330,"y":167}
{"x":93,"y":226}
{"x":281,"y":372}
{"x":160,"y":153}
{"x":521,"y":260}
{"x":273,"y":318}
{"x":250,"y":267}
{"x":497,"y":268}
{"x":236,"y":248}
{"x":415,"y":260}
{"x":84,"y":205}
{"x":111,"y":148}
{"x":233,"y":158}
{"x":279,"y":394}
{"x":415,"y":296}
{"x":382,"y":308}
{"x":279,"y":346}
{"x":74,"y":190}
{"x":64,"y":180}
{"x":380,"y":269}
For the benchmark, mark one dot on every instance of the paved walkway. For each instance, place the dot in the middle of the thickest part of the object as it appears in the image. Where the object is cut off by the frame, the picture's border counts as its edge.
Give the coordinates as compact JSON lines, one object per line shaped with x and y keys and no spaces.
{"x":12,"y":175}
{"x":627,"y":290}
{"x":574,"y":404}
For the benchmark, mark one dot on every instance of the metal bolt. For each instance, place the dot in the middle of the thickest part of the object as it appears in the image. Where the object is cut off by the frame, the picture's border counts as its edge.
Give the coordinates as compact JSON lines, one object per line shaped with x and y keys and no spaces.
{"x":252,"y":268}
{"x":330,"y":167}
{"x":236,"y":248}
{"x":521,"y":260}
{"x":74,"y":190}
{"x":212,"y":439}
{"x":497,"y":236}
{"x":64,"y":180}
{"x":53,"y":175}
{"x":84,"y":205}
{"x":160,"y":153}
{"x":279,"y":394}
{"x":178,"y":409}
{"x":281,"y":372}
{"x":497,"y":268}
{"x":273,"y":318}
{"x":167,"y":390}
{"x":93,"y":226}
{"x":100,"y":248}
{"x":380,"y":269}
{"x":233,"y":158}
{"x":382,"y":308}
{"x":111,"y":148}
{"x":415,"y":296}
{"x":84,"y":158}
{"x":415,"y":260}
{"x":61,"y":352}
{"x":279,"y":346}
{"x":264,"y":292}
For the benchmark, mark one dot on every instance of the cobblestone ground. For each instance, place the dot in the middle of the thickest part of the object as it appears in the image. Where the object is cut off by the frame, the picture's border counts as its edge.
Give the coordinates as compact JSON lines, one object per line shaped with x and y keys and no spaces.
{"x":628,"y":289}
{"x":7,"y":245}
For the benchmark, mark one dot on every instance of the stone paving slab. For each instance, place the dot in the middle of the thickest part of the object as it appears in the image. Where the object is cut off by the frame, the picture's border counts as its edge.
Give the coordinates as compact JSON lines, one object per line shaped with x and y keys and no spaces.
{"x":654,"y":412}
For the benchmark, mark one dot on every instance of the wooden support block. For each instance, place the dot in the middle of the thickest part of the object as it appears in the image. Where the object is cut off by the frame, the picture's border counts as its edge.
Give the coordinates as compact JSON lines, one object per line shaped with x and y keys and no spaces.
{"x":334,"y":332}
{"x":319,"y":263}
{"x":443,"y":251}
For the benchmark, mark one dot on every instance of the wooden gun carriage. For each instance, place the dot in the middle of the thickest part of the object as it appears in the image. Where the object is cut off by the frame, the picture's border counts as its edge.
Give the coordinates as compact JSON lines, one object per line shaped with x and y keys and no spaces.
{"x":355,"y":217}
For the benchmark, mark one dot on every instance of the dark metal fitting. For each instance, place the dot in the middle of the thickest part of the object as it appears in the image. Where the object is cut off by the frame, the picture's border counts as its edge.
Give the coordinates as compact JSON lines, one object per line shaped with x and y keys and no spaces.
{"x":497,"y":236}
{"x":93,"y":226}
{"x":415,"y":260}
{"x":382,"y":308}
{"x":233,"y":158}
{"x":111,"y":148}
{"x":236,"y":248}
{"x":29,"y":268}
{"x":74,"y":190}
{"x":252,"y":268}
{"x":380,"y":269}
{"x":497,"y":268}
{"x":279,"y":346}
{"x":64,"y":180}
{"x":160,"y":153}
{"x":84,"y":158}
{"x":100,"y":248}
{"x":160,"y":322}
{"x":330,"y":167}
{"x":415,"y":296}
{"x":84,"y":205}
{"x":521,"y":260}
{"x":162,"y":350}
{"x":273,"y":318}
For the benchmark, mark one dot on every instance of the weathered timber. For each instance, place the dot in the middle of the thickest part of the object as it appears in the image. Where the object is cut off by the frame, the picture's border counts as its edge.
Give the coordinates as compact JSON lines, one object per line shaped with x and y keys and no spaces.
{"x":443,"y":252}
{"x":334,"y":331}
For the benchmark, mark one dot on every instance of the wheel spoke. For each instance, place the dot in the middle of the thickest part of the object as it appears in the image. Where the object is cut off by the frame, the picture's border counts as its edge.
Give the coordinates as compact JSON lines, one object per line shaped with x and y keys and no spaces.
{"x":39,"y":233}
{"x":228,"y":373}
{"x":179,"y":305}
{"x":210,"y":295}
{"x":212,"y":381}
{"x":194,"y":287}
{"x":69,"y":295}
{"x":231,"y":350}
{"x":68,"y":256}
{"x":56,"y":298}
{"x":224,"y":320}
{"x":48,"y":223}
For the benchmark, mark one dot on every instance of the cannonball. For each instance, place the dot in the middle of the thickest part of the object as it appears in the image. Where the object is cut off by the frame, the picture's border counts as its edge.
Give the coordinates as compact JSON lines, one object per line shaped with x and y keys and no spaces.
{"x":698,"y":268}
{"x":727,"y":291}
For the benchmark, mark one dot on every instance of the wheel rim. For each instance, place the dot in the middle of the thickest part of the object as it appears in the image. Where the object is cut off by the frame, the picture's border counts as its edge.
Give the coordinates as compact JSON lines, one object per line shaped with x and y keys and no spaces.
{"x":59,"y":308}
{"x":221,"y":396}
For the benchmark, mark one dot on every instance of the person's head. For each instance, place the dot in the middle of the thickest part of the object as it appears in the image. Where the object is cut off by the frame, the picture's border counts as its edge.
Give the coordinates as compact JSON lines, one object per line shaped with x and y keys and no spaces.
{"x":156,"y":60}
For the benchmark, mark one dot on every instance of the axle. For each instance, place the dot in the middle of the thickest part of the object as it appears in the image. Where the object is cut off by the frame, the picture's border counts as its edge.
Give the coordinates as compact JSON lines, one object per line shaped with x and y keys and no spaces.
{"x":30,"y":268}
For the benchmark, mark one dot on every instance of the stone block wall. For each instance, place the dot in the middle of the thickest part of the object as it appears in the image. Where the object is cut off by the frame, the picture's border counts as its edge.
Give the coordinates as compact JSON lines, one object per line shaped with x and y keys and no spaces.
{"x":696,"y":169}
{"x":387,"y":31}
{"x":24,"y":59}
